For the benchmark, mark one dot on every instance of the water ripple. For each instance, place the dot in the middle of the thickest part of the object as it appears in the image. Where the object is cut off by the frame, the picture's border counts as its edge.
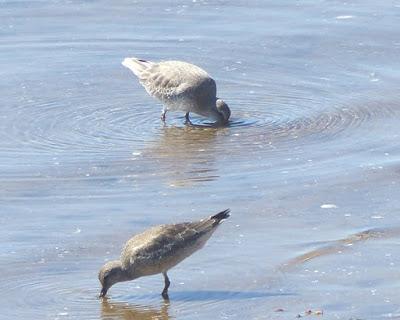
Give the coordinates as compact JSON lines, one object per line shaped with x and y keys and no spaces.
{"x":57,"y":127}
{"x":76,"y":126}
{"x":293,"y":117}
{"x":45,"y":294}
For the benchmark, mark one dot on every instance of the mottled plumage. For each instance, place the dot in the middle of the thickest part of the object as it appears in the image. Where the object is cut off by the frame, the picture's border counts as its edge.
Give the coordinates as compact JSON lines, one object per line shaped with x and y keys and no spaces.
{"x":180,"y":86}
{"x":158,"y":249}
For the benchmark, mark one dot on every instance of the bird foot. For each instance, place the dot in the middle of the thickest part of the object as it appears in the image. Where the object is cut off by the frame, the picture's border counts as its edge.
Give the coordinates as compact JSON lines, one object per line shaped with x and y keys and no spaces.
{"x":163,"y":115}
{"x":165,"y":295}
{"x":187,"y":119}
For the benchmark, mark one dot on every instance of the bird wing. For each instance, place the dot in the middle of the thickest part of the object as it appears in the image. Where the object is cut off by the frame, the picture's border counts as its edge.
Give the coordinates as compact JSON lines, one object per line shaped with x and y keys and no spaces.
{"x":160,"y":242}
{"x":168,"y":79}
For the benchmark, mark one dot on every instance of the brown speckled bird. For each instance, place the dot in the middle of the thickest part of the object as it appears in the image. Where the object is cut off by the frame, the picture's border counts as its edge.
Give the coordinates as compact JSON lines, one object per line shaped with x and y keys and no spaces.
{"x":157,"y":250}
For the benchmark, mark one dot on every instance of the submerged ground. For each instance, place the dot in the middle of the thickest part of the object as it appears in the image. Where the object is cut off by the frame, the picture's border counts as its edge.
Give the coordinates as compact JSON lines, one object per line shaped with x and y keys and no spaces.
{"x":309,"y":166}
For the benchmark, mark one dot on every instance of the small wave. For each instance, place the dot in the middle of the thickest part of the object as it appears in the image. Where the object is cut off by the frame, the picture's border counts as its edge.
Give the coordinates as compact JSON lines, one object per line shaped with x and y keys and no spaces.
{"x":342,"y":244}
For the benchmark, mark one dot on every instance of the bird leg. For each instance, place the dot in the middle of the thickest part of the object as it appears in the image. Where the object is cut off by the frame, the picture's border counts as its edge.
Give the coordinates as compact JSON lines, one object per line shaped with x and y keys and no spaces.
{"x":163,"y":115}
{"x":187,"y":121}
{"x":167,"y":283}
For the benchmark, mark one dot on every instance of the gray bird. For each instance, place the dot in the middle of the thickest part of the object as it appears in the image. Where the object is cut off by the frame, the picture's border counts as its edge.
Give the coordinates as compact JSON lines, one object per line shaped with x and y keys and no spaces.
{"x":180,"y":86}
{"x":157,"y":250}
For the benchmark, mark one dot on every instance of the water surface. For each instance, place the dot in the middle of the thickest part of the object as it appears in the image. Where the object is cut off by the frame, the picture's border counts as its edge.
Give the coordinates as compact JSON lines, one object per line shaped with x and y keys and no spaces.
{"x":309,"y":165}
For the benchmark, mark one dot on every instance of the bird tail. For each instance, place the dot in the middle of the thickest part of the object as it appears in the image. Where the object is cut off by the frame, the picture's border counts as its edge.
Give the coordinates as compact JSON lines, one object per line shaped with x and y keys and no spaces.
{"x":221,"y":216}
{"x":136,"y":65}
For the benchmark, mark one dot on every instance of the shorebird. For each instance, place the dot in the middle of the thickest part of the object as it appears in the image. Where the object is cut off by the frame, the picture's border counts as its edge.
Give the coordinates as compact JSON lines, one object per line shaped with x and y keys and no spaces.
{"x":180,"y":86}
{"x":157,"y":250}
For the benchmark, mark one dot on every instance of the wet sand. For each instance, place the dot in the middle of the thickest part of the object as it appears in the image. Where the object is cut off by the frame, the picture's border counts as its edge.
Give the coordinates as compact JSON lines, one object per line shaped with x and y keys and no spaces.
{"x":309,"y":165}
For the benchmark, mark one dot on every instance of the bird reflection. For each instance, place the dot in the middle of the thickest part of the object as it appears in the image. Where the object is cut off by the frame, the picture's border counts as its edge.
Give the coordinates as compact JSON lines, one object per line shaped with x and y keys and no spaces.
{"x":125,"y":311}
{"x":186,"y":155}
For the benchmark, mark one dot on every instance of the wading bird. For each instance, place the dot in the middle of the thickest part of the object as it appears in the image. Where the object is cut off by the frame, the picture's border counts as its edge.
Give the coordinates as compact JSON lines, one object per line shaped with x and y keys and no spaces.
{"x":157,"y":250}
{"x":180,"y":86}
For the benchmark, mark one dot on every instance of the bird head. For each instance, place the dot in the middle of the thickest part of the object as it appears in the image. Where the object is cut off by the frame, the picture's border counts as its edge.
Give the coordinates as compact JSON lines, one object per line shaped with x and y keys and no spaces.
{"x":224,"y":110}
{"x":110,"y":274}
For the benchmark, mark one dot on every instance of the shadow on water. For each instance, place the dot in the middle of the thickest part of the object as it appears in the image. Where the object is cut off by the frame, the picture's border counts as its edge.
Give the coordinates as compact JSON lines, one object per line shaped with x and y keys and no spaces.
{"x":341,"y":245}
{"x":222,"y":295}
{"x":233,"y":122}
{"x":214,"y":295}
{"x":119,"y":310}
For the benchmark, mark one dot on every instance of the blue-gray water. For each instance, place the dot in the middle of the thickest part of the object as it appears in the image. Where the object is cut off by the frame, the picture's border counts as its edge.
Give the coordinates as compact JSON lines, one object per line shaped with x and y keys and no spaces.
{"x":310,"y":160}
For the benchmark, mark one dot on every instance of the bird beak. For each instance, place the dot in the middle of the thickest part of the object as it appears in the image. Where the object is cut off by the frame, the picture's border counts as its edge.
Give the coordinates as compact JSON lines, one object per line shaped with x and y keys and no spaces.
{"x":103,"y":292}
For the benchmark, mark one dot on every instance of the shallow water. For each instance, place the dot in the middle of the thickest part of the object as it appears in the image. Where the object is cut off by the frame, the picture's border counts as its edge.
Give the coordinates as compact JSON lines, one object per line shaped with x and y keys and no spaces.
{"x":309,"y":165}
